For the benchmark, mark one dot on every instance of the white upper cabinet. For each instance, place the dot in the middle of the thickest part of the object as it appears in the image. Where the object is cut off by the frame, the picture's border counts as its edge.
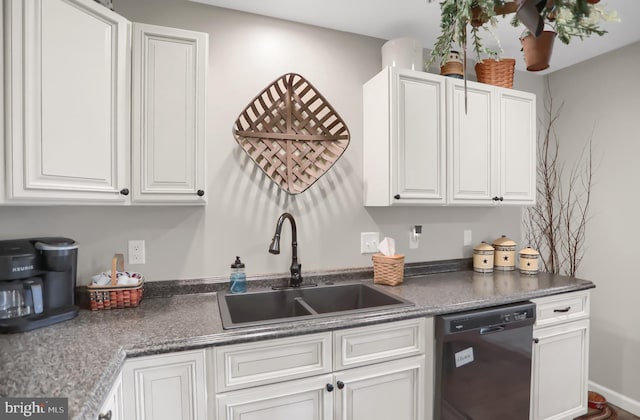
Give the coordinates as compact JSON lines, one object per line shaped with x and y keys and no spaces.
{"x":471,"y":145}
{"x":422,"y":147}
{"x":168,"y":108}
{"x":67,"y":111}
{"x":85,"y":127}
{"x":404,"y":138}
{"x":516,"y":146}
{"x":492,"y":146}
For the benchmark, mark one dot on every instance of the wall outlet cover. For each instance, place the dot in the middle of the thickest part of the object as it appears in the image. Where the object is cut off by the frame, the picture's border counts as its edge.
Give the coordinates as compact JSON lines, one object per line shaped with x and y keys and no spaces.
{"x":136,"y":251}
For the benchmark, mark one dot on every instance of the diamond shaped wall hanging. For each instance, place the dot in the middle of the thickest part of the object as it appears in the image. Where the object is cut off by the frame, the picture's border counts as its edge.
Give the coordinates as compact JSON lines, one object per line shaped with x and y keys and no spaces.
{"x":292,"y":133}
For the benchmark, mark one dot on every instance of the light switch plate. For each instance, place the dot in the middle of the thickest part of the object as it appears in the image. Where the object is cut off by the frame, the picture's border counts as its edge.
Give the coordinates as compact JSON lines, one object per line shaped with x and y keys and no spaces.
{"x":369,"y":242}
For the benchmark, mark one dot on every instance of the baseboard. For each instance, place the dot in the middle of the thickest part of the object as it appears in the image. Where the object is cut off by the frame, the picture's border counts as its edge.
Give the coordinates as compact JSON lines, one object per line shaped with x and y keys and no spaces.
{"x":616,"y":398}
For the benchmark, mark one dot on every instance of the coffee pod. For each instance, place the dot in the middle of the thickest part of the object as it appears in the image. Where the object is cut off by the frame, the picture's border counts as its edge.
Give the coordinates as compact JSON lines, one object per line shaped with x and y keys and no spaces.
{"x":529,"y":261}
{"x":505,"y":254}
{"x":483,"y":258}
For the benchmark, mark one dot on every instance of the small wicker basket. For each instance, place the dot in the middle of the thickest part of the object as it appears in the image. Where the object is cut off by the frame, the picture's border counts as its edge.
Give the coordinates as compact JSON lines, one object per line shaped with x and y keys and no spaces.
{"x":497,"y":73}
{"x":388,"y":270}
{"x":115,"y":296}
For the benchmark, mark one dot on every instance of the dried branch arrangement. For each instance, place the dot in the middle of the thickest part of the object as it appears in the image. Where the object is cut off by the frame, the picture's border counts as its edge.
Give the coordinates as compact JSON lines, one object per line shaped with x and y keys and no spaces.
{"x":556,"y":225}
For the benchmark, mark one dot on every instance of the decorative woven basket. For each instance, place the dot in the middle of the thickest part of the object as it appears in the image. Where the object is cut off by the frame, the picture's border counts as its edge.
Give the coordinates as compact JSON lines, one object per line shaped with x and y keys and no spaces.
{"x":115,"y":296}
{"x":388,"y":270}
{"x":497,"y":73}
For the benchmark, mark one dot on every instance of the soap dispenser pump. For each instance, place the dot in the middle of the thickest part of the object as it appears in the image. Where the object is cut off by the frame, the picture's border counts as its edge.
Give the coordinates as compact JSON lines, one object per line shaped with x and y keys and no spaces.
{"x":238,"y":278}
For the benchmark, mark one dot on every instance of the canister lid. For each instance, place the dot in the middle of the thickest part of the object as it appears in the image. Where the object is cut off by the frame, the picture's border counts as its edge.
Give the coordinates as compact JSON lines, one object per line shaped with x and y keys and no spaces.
{"x":529,"y":251}
{"x":483,"y":246}
{"x":504,"y":241}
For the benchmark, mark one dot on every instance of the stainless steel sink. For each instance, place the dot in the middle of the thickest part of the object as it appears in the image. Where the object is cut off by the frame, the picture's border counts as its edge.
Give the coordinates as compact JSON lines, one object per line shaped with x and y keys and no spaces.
{"x":274,"y":306}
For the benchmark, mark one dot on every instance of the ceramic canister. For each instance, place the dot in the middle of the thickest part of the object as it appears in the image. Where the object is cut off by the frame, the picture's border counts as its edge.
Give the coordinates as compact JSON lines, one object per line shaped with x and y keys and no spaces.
{"x":528,"y":261}
{"x":483,"y":258}
{"x":505,"y":255}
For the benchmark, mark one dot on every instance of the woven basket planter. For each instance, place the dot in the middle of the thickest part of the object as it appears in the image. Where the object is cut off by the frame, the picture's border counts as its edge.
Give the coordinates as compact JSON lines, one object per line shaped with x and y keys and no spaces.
{"x":497,"y":73}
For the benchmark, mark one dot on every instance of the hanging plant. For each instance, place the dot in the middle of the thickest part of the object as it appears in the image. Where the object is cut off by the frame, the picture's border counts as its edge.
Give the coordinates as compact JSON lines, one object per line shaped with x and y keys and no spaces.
{"x":464,"y":19}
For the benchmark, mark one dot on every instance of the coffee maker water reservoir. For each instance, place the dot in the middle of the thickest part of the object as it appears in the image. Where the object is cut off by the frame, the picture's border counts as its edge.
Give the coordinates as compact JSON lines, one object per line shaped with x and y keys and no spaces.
{"x":37,"y":282}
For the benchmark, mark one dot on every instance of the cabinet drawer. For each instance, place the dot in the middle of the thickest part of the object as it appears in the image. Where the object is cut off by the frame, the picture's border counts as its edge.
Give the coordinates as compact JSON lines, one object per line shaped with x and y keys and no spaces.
{"x":373,"y":344}
{"x":257,"y":363}
{"x":557,"y":309}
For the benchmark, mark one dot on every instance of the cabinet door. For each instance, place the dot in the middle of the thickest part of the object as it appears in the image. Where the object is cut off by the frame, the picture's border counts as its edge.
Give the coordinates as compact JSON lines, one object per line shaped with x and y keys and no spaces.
{"x":470,"y":141}
{"x":517,"y":147}
{"x":112,"y":407}
{"x":418,"y":146}
{"x":67,"y":101}
{"x":168,"y":125}
{"x":302,"y":399}
{"x":391,"y":390}
{"x":165,"y":387}
{"x":404,"y":138}
{"x":560,"y":371}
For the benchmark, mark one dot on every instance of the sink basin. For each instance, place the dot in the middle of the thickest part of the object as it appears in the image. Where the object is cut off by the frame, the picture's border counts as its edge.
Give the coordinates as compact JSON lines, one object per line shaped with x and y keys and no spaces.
{"x":275,"y":306}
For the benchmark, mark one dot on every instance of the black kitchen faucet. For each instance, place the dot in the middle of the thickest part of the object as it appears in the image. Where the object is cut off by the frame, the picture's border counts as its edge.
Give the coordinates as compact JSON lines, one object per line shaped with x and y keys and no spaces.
{"x":274,"y":248}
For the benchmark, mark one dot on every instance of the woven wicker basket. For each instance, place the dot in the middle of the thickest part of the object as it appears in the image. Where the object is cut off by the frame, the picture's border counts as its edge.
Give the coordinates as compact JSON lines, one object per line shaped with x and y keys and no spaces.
{"x":114,"y":296}
{"x":388,"y":270}
{"x":497,"y":73}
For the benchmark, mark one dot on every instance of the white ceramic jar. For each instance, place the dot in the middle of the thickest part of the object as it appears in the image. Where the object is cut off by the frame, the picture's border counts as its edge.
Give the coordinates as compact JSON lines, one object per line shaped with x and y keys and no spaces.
{"x":529,"y":261}
{"x":483,"y":258}
{"x":505,"y":254}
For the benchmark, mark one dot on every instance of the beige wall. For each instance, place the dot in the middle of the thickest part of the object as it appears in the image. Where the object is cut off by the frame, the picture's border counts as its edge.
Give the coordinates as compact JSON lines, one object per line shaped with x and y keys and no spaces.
{"x":246,"y":53}
{"x":602,"y":96}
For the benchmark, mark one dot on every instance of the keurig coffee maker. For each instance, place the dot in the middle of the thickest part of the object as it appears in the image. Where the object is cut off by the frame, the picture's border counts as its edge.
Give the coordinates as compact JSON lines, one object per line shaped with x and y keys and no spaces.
{"x":37,"y":282}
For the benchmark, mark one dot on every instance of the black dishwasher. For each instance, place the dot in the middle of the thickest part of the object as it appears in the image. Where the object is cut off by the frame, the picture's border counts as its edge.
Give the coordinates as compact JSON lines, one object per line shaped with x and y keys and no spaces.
{"x":483,"y":363}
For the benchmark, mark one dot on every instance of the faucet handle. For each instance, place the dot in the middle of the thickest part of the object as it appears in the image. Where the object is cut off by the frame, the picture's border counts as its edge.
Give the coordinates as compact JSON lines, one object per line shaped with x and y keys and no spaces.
{"x":296,"y":275}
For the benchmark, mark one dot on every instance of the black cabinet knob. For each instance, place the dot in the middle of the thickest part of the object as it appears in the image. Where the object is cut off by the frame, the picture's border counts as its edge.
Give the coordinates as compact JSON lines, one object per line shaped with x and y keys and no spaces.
{"x":536,"y":340}
{"x":105,"y":416}
{"x":498,"y":198}
{"x":200,"y":193}
{"x":329,"y":387}
{"x":397,"y":196}
{"x":340,"y":384}
{"x":124,"y":191}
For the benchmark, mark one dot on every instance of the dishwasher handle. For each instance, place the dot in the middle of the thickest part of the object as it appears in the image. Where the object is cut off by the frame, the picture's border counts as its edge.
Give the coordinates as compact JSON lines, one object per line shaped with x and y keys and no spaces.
{"x":491,"y":330}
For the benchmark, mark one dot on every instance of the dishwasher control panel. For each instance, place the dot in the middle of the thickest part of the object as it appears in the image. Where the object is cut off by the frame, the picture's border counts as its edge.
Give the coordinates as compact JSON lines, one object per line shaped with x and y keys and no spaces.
{"x":489,"y":317}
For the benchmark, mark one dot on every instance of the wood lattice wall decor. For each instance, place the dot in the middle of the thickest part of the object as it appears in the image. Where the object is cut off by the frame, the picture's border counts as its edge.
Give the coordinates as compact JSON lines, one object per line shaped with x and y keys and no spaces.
{"x":292,"y":133}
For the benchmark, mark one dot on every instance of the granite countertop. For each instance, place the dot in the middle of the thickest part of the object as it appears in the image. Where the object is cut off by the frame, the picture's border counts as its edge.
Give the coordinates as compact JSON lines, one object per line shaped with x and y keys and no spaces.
{"x":81,"y":358}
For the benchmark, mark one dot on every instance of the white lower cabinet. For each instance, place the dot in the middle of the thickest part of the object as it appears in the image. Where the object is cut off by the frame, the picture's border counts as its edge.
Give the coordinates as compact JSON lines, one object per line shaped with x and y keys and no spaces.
{"x":165,"y":387}
{"x":112,"y":407}
{"x":386,"y":381}
{"x":390,"y":390}
{"x":560,"y":357}
{"x":302,"y":399}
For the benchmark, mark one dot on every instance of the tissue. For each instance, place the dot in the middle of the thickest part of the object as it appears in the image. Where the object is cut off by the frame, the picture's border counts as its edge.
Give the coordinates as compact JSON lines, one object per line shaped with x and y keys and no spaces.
{"x":387,"y":247}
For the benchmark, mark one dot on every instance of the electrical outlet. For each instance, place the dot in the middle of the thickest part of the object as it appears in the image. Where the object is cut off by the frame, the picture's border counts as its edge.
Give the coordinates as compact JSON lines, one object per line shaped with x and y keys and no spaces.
{"x":369,"y":242}
{"x":414,"y":237}
{"x":467,"y":238}
{"x":136,"y":251}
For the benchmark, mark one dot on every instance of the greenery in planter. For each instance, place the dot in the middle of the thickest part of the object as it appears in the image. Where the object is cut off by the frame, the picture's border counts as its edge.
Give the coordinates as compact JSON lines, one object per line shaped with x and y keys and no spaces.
{"x":571,"y":18}
{"x":455,"y":15}
{"x":575,"y":18}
